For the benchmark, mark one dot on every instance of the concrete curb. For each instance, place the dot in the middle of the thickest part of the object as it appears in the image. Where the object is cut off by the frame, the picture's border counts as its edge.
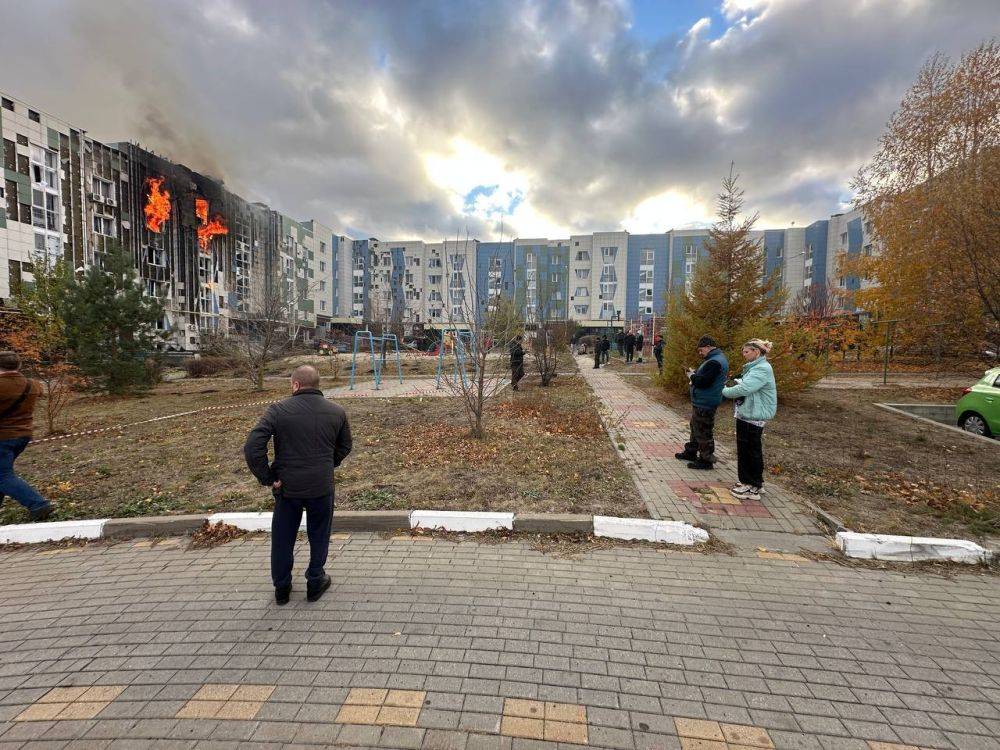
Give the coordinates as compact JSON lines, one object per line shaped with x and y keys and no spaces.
{"x":910,"y":548}
{"x":363,"y":521}
{"x":830,"y":521}
{"x":954,"y":428}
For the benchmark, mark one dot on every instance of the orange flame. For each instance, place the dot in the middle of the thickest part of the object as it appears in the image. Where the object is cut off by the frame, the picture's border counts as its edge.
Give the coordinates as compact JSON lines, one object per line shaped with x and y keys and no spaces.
{"x":208,"y":228}
{"x":157,"y":207}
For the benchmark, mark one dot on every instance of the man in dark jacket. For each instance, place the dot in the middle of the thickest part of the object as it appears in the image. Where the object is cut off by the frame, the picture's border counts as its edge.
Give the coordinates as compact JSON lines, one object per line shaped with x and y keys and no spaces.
{"x":620,"y":343}
{"x":18,"y":395}
{"x":311,"y":438}
{"x":638,"y":344}
{"x":629,"y":346}
{"x":606,"y":349}
{"x":706,"y":395}
{"x":516,"y":363}
{"x":658,"y":352}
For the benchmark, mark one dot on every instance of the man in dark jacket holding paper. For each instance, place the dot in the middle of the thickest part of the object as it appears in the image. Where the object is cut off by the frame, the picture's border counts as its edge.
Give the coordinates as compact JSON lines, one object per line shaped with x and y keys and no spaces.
{"x":311,"y":438}
{"x":706,"y":395}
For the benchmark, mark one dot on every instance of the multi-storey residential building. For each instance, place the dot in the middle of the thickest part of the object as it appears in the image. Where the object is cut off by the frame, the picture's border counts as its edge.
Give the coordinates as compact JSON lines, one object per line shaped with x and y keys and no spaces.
{"x":212,"y":255}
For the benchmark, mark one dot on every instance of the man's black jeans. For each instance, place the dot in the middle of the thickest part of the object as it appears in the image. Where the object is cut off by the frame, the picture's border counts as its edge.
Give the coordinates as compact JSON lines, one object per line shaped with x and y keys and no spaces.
{"x":284,"y":528}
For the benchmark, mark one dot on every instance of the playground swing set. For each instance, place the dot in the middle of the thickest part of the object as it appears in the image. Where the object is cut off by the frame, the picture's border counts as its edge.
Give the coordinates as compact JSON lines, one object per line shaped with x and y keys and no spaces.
{"x":377,"y":351}
{"x":463,"y":344}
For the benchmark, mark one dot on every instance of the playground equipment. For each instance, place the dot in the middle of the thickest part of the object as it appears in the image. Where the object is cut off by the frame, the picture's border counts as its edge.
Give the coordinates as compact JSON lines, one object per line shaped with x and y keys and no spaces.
{"x":377,"y":361}
{"x":463,"y":344}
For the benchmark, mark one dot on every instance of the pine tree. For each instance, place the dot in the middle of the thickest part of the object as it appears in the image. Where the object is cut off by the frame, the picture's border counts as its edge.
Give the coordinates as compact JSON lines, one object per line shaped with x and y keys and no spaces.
{"x":732,"y":301}
{"x":111,"y":325}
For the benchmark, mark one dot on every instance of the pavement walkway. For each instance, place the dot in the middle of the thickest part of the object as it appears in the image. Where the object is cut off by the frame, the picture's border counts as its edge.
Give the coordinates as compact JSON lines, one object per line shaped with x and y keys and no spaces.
{"x":652,"y":433}
{"x":434,"y":644}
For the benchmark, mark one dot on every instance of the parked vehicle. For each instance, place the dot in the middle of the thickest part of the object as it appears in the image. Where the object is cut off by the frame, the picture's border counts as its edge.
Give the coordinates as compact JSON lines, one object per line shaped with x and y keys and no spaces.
{"x":978,"y":411}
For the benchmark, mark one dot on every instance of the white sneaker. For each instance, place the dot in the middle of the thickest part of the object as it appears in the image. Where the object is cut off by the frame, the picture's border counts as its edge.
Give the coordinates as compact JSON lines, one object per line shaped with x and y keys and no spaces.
{"x":750,"y":493}
{"x":739,"y":488}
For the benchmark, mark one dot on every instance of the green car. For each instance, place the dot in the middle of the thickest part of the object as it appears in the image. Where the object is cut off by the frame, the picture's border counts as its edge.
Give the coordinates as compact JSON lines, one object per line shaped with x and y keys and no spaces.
{"x":978,"y":411}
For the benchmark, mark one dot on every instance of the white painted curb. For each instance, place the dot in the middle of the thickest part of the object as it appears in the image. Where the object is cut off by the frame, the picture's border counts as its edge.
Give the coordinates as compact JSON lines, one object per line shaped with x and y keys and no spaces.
{"x":32,"y":533}
{"x":454,"y":520}
{"x":248,"y":521}
{"x":668,"y":532}
{"x":909,"y":548}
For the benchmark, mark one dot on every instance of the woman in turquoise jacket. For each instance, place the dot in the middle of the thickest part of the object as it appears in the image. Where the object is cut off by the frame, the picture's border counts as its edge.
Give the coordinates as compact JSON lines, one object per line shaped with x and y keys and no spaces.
{"x":756,"y":397}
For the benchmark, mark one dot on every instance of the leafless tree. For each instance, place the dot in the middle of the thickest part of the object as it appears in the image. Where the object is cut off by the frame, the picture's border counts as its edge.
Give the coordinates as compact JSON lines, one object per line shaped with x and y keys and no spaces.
{"x":269,"y":324}
{"x":491,"y":324}
{"x":552,"y":332}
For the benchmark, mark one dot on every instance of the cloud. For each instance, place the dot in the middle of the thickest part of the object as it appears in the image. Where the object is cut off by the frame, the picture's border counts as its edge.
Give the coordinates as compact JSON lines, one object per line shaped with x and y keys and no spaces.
{"x":384,"y":118}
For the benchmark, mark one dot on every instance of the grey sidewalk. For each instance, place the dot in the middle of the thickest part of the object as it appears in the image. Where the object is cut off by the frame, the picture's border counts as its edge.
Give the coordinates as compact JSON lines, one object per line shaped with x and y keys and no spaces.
{"x":653,"y":432}
{"x":433,"y":644}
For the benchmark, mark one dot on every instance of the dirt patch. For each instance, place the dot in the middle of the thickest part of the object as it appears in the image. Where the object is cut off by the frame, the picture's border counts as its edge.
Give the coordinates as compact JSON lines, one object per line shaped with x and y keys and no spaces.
{"x":878,"y":472}
{"x":542,"y":454}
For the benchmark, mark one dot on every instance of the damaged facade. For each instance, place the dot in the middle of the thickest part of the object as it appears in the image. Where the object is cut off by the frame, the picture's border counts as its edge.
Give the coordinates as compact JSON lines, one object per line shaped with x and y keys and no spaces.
{"x":208,"y":253}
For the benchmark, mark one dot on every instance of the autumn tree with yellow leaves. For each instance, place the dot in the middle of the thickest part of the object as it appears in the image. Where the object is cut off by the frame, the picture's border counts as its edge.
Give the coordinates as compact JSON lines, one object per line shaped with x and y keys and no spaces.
{"x":932,"y":195}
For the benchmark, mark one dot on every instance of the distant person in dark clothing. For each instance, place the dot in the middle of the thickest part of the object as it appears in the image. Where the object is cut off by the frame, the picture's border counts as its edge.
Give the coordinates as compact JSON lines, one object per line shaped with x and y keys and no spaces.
{"x":620,"y":343}
{"x":658,"y":352}
{"x":707,"y":383}
{"x":629,"y":347}
{"x":606,"y":349}
{"x":516,"y":363}
{"x":18,"y":395}
{"x":311,"y":438}
{"x":638,"y":344}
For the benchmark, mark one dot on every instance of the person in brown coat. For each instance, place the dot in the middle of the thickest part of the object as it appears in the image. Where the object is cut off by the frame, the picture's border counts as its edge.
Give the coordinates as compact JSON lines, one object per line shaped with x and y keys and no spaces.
{"x":18,"y":395}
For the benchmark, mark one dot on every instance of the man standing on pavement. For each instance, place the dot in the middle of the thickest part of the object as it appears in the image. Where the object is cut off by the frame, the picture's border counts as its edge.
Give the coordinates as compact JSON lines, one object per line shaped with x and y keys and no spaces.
{"x":706,"y":395}
{"x":311,"y":438}
{"x":18,"y":395}
{"x":629,"y":347}
{"x":638,"y":344}
{"x":658,"y":353}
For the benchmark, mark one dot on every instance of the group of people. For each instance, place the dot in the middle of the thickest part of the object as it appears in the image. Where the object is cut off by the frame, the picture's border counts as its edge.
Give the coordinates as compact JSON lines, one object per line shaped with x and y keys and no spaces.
{"x":755,"y":401}
{"x":629,"y":344}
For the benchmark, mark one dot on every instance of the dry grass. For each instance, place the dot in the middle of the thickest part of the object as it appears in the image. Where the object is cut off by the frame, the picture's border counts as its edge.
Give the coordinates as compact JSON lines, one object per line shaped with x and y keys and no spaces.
{"x":545,"y":452}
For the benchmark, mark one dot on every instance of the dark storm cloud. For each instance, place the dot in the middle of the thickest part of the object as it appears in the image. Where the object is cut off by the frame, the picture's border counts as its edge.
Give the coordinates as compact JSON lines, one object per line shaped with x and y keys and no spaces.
{"x":325,"y":109}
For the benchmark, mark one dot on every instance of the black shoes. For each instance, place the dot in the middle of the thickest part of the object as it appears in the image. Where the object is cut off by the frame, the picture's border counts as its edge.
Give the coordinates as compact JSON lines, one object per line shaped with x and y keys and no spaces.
{"x":704,"y":465}
{"x":685,"y":456}
{"x":42,"y":513}
{"x":281,"y":594}
{"x":315,"y":592}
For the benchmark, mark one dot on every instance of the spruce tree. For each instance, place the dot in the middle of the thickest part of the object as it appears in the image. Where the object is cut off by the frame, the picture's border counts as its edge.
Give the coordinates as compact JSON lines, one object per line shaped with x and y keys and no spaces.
{"x":733,"y":301}
{"x":111,"y":324}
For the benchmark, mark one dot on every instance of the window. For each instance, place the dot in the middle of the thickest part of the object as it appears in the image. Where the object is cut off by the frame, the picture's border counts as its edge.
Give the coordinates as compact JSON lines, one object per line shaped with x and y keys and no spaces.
{"x":34,"y":116}
{"x":779,"y":253}
{"x":689,"y":268}
{"x":867,"y":250}
{"x":322,"y":247}
{"x":583,"y":273}
{"x":689,"y":251}
{"x":609,"y":253}
{"x":156,"y":256}
{"x":7,"y":103}
{"x":581,"y":309}
{"x":104,"y":225}
{"x":581,"y":291}
{"x":645,"y":295}
{"x":44,"y":210}
{"x":609,"y":281}
{"x":843,"y":238}
{"x":322,"y":266}
{"x":322,"y":286}
{"x":102,"y":190}
{"x":647,"y":257}
{"x":45,"y":168}
{"x":646,"y":276}
{"x":583,"y":255}
{"x":322,"y":304}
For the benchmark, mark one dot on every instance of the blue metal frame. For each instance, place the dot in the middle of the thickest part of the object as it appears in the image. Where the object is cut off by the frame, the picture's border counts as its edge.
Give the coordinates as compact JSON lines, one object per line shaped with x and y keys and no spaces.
{"x":360,"y":336}
{"x":460,"y":354}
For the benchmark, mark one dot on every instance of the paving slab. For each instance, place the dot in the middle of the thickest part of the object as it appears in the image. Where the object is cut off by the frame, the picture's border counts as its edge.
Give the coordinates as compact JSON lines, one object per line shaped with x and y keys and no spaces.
{"x":441,"y":644}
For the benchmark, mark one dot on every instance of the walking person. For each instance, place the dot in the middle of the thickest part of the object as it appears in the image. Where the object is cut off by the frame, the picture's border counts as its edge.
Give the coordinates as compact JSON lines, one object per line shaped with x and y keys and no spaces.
{"x":18,"y":395}
{"x":516,"y":363}
{"x":620,"y":343}
{"x":706,"y":395}
{"x":311,"y":437}
{"x":756,"y":397}
{"x":606,"y":349}
{"x":629,"y":347}
{"x":598,"y":352}
{"x":658,"y":352}
{"x":638,"y":344}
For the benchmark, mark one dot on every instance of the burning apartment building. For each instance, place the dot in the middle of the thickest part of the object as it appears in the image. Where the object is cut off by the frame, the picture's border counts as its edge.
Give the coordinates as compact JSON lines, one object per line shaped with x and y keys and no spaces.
{"x":210,"y":255}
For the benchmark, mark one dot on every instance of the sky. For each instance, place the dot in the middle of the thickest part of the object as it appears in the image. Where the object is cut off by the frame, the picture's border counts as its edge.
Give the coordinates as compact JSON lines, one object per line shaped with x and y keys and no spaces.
{"x":412,"y":119}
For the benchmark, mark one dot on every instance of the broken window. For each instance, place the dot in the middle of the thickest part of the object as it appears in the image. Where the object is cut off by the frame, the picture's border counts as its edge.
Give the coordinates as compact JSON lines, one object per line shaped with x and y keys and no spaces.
{"x":34,"y":116}
{"x":9,"y":155}
{"x":10,"y":188}
{"x":7,"y":103}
